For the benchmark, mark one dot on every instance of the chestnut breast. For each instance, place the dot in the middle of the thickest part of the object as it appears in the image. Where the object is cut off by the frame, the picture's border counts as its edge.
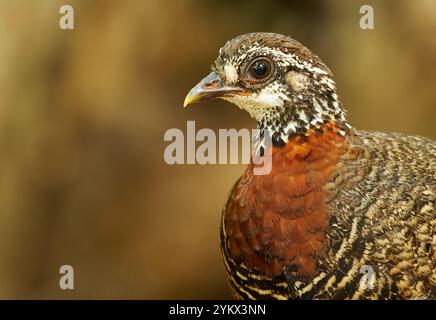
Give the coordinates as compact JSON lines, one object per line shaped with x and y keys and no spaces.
{"x":279,"y":220}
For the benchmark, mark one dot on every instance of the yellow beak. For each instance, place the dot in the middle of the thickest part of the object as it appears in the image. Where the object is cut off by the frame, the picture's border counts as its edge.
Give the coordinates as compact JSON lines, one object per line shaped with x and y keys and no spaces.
{"x":211,"y":87}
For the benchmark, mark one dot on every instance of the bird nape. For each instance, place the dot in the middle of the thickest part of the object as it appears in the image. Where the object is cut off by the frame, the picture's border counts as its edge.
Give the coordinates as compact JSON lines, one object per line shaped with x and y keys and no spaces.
{"x":344,"y":213}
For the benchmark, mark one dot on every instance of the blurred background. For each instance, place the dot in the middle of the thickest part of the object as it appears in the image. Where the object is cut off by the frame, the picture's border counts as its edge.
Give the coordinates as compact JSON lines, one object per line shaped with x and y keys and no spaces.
{"x":83,"y":113}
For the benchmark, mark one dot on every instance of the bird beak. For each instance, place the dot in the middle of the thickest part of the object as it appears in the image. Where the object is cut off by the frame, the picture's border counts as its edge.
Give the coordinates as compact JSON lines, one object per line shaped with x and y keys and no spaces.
{"x":210,"y":87}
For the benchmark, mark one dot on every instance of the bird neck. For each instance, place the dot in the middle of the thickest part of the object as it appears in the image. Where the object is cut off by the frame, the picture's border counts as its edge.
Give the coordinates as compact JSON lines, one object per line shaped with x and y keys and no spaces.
{"x":302,"y":118}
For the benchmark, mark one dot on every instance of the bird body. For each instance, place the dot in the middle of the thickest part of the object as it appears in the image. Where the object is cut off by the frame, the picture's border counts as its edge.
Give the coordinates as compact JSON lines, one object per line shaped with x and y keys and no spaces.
{"x":331,"y":206}
{"x":344,"y":213}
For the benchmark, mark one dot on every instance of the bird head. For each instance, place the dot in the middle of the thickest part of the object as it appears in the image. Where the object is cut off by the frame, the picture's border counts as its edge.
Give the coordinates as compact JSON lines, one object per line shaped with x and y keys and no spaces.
{"x":286,"y":88}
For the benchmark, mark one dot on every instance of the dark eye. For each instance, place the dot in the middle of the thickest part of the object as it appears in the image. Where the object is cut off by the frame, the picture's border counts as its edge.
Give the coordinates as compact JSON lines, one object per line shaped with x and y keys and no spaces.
{"x":260,"y":69}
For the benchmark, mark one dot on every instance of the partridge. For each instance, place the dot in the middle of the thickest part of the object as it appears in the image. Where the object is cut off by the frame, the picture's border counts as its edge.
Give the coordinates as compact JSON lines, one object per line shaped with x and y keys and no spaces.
{"x":344,"y":213}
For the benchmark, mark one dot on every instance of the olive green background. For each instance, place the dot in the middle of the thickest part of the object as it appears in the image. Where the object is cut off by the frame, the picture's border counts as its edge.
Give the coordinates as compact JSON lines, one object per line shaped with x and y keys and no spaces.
{"x":83,"y":113}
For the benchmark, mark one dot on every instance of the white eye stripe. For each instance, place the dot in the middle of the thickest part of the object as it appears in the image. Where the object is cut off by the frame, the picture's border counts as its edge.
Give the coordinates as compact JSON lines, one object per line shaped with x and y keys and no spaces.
{"x":231,"y":73}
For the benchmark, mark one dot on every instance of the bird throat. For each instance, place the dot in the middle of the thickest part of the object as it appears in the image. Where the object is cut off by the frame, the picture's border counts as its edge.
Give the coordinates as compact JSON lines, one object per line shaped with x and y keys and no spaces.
{"x":302,"y":116}
{"x":282,"y":134}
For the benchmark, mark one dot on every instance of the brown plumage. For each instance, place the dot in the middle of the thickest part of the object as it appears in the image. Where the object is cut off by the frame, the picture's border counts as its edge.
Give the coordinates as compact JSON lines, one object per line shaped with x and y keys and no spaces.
{"x":344,"y":213}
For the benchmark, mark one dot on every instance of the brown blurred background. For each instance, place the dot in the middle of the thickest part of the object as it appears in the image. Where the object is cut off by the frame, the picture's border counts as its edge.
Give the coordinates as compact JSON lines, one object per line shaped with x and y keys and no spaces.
{"x":83,"y":114}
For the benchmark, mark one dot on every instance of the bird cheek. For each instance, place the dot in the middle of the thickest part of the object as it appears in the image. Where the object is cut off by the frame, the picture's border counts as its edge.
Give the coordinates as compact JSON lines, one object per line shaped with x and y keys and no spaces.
{"x":297,"y":81}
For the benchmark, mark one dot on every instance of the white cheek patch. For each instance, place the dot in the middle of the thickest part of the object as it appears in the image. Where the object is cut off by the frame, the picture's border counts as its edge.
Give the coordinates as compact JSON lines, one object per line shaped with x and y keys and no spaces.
{"x":297,"y":80}
{"x":270,"y":97}
{"x":231,"y":73}
{"x":259,"y":103}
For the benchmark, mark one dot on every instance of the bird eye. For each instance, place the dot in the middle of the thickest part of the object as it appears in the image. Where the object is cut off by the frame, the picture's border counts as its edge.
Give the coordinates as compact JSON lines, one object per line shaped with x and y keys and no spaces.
{"x":260,"y":69}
